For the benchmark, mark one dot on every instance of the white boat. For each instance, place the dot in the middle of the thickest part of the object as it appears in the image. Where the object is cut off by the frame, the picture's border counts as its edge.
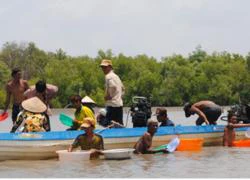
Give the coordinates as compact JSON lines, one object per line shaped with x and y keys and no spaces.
{"x":43,"y":145}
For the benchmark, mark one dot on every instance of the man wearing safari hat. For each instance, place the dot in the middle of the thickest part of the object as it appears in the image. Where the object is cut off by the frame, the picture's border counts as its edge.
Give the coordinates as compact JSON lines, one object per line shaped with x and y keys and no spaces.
{"x":89,"y":140}
{"x":32,"y":118}
{"x":114,"y":90}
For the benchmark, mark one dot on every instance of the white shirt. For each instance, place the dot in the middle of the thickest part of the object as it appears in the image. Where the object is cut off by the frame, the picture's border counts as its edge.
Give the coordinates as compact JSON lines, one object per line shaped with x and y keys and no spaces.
{"x":114,"y":88}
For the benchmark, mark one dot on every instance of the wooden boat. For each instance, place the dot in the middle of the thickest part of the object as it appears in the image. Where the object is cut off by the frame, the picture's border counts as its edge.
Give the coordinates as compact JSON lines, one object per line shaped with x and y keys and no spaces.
{"x":43,"y":145}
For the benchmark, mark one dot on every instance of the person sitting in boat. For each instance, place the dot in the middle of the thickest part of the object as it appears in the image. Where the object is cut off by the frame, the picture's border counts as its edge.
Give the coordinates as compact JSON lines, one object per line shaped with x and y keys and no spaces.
{"x":89,"y":140}
{"x":81,"y":112}
{"x":162,"y":116}
{"x":90,"y":103}
{"x":101,"y":117}
{"x":32,"y":118}
{"x":208,"y":111}
{"x":143,"y":145}
{"x":229,"y":131}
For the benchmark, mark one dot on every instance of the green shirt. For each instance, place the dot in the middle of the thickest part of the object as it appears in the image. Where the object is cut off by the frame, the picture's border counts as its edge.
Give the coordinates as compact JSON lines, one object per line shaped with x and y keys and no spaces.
{"x":95,"y":143}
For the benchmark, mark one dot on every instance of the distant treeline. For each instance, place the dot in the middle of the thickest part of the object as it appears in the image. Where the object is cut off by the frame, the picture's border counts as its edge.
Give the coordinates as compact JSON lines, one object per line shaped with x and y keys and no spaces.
{"x":171,"y":81}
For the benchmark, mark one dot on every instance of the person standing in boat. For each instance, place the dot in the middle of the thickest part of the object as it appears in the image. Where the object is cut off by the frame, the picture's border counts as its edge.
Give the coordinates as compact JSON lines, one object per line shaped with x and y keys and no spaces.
{"x":15,"y":89}
{"x":229,"y":131}
{"x":32,"y":118}
{"x":89,"y":140}
{"x":114,"y":90}
{"x":208,"y":111}
{"x":45,"y":92}
{"x":143,"y":145}
{"x":162,"y":116}
{"x":81,"y":112}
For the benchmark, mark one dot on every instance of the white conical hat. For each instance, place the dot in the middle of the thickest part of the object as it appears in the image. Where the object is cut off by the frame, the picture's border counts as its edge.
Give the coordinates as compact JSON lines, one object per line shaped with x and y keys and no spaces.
{"x":87,"y":99}
{"x":34,"y":105}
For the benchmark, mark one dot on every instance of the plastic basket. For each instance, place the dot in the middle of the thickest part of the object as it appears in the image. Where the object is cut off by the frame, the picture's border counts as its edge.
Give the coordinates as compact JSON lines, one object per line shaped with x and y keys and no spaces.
{"x":190,"y":144}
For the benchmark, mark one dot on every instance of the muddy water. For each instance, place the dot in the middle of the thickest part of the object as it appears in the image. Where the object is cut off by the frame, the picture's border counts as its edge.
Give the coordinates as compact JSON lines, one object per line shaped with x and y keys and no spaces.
{"x":209,"y":163}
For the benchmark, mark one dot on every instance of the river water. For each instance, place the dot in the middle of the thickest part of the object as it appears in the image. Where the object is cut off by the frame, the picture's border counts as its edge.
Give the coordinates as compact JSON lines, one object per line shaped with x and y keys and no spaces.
{"x":211,"y":162}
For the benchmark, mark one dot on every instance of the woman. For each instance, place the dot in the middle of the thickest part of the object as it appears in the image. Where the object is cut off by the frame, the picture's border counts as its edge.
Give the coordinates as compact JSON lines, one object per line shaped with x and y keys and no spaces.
{"x":32,"y":118}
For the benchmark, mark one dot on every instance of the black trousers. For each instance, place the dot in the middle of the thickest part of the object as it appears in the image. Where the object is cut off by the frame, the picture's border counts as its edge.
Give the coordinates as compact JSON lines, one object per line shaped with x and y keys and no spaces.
{"x":115,"y":114}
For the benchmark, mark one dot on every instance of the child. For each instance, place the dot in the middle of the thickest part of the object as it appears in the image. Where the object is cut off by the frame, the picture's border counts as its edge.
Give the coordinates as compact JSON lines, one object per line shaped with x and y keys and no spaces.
{"x":229,"y":132}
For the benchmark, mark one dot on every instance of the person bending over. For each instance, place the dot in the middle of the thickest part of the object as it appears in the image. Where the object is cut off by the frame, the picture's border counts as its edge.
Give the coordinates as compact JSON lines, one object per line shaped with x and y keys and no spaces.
{"x":208,"y":111}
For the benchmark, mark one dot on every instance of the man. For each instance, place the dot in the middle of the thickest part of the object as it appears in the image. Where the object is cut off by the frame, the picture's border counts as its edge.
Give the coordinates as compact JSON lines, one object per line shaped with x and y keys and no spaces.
{"x":162,"y":116}
{"x":208,"y":111}
{"x":114,"y":91}
{"x":143,"y":145}
{"x":15,"y":89}
{"x":81,"y":112}
{"x":89,"y":140}
{"x":45,"y":92}
{"x":229,"y":131}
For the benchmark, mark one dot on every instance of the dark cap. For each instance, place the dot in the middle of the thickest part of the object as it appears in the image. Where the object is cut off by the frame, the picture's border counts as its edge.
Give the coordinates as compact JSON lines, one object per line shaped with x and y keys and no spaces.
{"x":186,"y":108}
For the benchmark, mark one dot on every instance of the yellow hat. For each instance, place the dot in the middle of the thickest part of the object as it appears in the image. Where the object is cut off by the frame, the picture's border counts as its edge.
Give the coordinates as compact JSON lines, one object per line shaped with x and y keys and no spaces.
{"x":88,"y":122}
{"x":106,"y":62}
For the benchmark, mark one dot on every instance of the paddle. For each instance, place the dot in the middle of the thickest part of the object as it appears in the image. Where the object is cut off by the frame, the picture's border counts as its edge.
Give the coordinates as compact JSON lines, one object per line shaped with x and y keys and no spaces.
{"x":66,"y":120}
{"x":3,"y":116}
{"x":171,"y":146}
{"x":111,"y":125}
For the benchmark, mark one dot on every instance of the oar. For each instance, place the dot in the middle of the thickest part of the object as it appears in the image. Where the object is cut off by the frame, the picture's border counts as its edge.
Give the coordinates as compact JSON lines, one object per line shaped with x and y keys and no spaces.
{"x":3,"y":116}
{"x":171,"y":146}
{"x":66,"y":120}
{"x":111,"y":125}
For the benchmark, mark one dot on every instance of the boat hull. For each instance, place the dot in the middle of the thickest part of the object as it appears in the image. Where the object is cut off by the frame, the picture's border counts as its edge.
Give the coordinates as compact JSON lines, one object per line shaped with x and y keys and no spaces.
{"x":44,"y":145}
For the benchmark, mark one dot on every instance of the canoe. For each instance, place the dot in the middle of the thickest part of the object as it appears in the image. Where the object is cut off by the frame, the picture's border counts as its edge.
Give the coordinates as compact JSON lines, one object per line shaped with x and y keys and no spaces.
{"x":43,"y":145}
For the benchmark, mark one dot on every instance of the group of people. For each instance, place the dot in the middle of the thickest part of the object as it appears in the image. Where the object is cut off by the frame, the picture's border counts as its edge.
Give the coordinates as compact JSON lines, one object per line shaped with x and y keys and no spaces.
{"x":21,"y":94}
{"x":31,"y":111}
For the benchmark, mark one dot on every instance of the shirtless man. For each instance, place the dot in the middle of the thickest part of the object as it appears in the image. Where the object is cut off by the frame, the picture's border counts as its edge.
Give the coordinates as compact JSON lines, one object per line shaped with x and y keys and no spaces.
{"x":143,"y":145}
{"x":15,"y":89}
{"x":229,"y":131}
{"x":208,"y":111}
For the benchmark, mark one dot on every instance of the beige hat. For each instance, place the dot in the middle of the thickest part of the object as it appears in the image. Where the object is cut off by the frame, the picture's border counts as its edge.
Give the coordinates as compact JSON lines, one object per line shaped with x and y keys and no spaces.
{"x":34,"y":105}
{"x":87,"y":99}
{"x":106,"y":62}
{"x":88,"y":121}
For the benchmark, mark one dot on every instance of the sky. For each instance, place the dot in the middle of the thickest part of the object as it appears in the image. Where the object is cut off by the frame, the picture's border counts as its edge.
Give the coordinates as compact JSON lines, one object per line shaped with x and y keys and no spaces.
{"x":157,"y":28}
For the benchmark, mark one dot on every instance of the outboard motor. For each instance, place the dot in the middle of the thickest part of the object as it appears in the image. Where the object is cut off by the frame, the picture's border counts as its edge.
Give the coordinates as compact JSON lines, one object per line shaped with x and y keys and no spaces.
{"x":140,"y":111}
{"x":242,"y":112}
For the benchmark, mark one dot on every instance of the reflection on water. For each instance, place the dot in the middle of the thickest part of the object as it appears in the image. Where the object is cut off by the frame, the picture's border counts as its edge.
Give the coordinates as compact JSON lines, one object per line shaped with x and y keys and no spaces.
{"x":209,"y":163}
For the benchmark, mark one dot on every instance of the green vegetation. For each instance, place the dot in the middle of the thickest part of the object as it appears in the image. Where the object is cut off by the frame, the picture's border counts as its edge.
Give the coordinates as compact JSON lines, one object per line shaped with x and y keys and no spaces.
{"x":171,"y":81}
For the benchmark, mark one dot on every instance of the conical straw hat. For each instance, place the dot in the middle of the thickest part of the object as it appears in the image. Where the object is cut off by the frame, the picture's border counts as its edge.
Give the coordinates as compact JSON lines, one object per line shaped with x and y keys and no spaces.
{"x":34,"y":105}
{"x":87,"y":99}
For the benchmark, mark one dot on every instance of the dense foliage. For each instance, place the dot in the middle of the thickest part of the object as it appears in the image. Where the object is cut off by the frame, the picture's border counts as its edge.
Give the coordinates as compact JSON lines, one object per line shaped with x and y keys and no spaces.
{"x":171,"y":81}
